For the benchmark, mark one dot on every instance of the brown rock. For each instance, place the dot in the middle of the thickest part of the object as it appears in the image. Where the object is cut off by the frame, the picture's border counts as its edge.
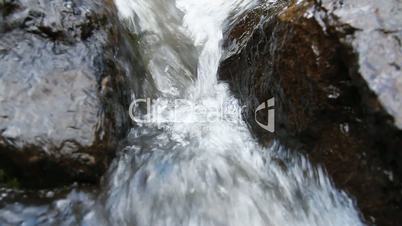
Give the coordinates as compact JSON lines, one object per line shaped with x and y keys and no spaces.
{"x":334,"y":72}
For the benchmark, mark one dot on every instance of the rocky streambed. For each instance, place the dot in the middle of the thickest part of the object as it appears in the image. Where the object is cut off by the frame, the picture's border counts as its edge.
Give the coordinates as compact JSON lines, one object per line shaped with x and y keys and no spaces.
{"x":69,"y":70}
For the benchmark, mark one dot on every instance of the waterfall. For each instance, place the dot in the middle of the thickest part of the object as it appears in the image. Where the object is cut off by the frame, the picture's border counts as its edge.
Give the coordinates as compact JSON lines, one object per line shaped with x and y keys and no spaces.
{"x":191,"y":165}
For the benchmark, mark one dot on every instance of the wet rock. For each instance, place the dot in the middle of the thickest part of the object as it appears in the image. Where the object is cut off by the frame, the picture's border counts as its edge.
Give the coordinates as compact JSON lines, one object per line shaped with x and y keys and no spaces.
{"x":333,"y":68}
{"x":63,"y":94}
{"x":69,"y":206}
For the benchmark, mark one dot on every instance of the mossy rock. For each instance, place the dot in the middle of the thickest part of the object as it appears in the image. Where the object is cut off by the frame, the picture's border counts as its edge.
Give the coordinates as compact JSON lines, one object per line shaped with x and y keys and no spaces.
{"x":7,"y":180}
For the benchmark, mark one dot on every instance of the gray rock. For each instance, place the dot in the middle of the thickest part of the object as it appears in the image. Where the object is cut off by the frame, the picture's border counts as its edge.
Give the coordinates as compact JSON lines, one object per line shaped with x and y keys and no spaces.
{"x":63,"y":94}
{"x":377,"y":44}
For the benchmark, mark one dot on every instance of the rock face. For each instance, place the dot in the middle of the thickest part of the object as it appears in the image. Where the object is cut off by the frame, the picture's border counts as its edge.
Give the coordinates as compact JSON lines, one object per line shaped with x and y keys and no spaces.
{"x":334,"y":68}
{"x":63,"y":94}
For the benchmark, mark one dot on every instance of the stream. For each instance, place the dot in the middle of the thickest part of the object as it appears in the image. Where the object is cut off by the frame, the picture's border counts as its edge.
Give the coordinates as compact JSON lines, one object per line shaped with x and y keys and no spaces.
{"x":193,"y":161}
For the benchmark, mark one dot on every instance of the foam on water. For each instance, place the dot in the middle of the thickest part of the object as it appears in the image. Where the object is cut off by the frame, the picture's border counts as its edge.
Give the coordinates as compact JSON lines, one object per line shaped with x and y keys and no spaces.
{"x":195,"y":171}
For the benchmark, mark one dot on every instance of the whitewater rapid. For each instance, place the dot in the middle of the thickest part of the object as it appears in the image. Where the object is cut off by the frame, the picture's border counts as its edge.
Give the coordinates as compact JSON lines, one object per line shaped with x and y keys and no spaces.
{"x":186,"y":167}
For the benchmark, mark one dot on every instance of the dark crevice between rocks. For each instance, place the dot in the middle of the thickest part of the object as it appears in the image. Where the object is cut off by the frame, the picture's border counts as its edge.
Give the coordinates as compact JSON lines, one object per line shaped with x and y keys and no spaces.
{"x":32,"y":170}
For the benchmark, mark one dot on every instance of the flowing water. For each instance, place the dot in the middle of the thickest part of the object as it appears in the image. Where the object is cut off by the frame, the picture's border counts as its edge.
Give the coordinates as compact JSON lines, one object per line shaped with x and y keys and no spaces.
{"x":190,"y":164}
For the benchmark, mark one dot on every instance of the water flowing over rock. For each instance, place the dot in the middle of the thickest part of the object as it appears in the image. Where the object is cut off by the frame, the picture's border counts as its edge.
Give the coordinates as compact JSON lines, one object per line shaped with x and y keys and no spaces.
{"x":334,"y":68}
{"x":188,"y":169}
{"x":63,"y":93}
{"x":195,"y":161}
